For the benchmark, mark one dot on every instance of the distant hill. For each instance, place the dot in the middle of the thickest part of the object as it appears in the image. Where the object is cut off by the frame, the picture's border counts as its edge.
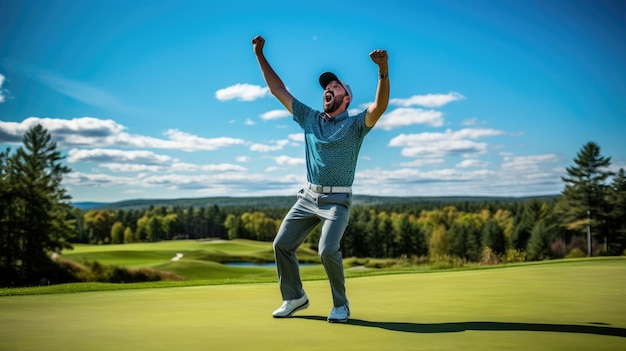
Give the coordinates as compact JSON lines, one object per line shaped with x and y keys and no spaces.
{"x":287,"y":201}
{"x":89,"y":205}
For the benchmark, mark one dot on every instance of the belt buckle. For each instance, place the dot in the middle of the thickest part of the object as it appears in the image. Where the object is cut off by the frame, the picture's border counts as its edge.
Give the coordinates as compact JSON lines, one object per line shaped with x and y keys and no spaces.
{"x":320,"y":188}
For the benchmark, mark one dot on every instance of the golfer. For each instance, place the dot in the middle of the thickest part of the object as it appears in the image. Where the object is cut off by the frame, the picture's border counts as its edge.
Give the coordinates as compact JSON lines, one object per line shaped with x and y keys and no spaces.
{"x":332,"y":143}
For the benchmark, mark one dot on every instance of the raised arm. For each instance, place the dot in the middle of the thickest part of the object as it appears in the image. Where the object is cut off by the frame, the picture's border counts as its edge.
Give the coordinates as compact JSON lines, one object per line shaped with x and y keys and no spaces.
{"x":375,"y":110}
{"x":276,"y":85}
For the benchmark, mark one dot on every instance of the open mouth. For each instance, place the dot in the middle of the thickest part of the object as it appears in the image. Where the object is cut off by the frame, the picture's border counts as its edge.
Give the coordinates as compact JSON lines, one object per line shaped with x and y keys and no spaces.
{"x":328,"y":96}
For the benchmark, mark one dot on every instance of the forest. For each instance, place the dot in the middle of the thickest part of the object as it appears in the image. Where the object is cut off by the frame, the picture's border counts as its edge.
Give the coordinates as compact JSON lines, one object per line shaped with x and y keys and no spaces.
{"x":587,"y":218}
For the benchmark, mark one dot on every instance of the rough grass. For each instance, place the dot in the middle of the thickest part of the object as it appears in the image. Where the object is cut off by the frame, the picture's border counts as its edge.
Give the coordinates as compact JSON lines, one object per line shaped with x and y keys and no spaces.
{"x":560,"y":305}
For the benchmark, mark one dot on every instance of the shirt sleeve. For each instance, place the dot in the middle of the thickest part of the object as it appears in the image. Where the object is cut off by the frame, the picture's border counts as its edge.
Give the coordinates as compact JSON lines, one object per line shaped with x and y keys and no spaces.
{"x":363,"y":129}
{"x":300,"y":111}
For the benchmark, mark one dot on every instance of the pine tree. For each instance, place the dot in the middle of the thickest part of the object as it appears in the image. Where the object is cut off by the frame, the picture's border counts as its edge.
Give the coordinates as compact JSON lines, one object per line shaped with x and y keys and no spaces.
{"x":373,"y":237}
{"x":617,"y":215}
{"x":582,"y":206}
{"x":8,"y":225}
{"x":538,"y":243}
{"x":493,"y":237}
{"x":38,"y":208}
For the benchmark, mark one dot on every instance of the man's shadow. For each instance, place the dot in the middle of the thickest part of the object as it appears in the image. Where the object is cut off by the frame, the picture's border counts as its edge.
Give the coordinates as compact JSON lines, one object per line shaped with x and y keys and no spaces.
{"x":455,"y":327}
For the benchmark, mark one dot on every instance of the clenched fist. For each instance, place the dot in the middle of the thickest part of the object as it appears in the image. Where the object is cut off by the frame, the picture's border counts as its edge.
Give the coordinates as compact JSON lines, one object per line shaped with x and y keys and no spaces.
{"x":257,"y":44}
{"x":379,"y":56}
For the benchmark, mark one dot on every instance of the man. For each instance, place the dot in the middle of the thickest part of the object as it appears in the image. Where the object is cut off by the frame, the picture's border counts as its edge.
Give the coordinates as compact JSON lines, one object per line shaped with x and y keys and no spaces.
{"x":332,"y":142}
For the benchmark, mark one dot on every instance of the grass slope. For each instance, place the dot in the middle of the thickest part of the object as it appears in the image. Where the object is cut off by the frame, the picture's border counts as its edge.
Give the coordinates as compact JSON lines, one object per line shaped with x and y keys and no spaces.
{"x":200,"y":259}
{"x":564,"y":305}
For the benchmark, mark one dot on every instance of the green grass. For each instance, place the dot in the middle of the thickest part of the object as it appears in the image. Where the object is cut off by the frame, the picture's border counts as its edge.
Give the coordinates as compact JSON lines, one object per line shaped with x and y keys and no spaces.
{"x":555,"y":305}
{"x":171,"y":247}
{"x":201,"y":259}
{"x":151,"y":254}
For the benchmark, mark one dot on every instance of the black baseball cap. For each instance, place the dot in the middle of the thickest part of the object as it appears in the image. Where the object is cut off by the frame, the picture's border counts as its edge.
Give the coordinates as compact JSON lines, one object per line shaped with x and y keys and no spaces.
{"x":328,"y":77}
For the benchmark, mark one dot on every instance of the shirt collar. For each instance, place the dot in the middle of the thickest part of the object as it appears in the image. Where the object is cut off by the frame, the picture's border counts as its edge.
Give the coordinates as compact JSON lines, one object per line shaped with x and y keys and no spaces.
{"x":339,"y":117}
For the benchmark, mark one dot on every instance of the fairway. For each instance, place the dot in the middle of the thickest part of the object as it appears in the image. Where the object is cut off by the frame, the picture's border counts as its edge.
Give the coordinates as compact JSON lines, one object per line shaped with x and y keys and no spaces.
{"x":199,"y":259}
{"x":567,"y":305}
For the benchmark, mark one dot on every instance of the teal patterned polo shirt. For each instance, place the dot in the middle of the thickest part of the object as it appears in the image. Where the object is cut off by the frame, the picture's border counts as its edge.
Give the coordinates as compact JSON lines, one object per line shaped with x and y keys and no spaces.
{"x":332,"y":144}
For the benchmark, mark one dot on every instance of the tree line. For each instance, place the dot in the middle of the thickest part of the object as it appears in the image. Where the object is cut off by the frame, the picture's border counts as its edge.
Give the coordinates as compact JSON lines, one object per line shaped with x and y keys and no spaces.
{"x":587,"y":218}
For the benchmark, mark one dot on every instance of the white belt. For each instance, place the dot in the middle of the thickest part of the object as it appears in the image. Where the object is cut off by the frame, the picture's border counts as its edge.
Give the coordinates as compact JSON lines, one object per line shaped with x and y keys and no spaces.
{"x":329,"y":189}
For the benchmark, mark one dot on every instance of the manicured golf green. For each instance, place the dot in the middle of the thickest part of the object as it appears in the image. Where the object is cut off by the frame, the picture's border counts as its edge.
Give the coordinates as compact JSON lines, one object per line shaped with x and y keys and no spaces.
{"x":564,"y":305}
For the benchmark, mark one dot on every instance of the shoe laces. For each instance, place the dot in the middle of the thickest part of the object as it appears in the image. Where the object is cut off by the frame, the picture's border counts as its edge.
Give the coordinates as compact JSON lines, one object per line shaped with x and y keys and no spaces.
{"x":287,"y":304}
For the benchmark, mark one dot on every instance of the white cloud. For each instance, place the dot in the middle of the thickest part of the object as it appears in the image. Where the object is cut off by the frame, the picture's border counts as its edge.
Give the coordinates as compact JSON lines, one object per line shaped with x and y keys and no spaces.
{"x":142,"y":161}
{"x":209,"y":184}
{"x":2,"y":96}
{"x":190,"y":142}
{"x":242,"y":159}
{"x":516,"y":176}
{"x":472,"y":163}
{"x":132,"y":168}
{"x":278,"y":145}
{"x":297,"y":137}
{"x":242,"y":92}
{"x":275,"y":114}
{"x":617,"y":164}
{"x":470,"y":122}
{"x":402,"y":117}
{"x":524,"y":163}
{"x":94,"y":132}
{"x":116,"y":156}
{"x":443,"y":144}
{"x":356,"y":111}
{"x":428,"y":100}
{"x":184,"y":167}
{"x":409,"y":176}
{"x":465,"y":148}
{"x":420,"y":162}
{"x":223,"y":167}
{"x":289,"y":161}
{"x":474,"y":133}
{"x":84,"y":131}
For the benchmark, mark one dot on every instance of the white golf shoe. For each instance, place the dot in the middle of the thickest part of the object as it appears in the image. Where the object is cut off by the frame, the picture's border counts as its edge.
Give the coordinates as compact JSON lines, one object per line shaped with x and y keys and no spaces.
{"x":289,"y":307}
{"x":339,"y":314}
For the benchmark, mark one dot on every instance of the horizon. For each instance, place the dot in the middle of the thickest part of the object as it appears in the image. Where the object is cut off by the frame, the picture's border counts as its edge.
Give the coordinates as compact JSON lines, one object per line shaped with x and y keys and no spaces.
{"x":166,"y":100}
{"x":85,"y":205}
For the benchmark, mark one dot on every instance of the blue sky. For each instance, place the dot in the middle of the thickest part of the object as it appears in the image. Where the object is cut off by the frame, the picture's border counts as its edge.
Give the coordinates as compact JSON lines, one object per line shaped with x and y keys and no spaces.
{"x":164,"y":99}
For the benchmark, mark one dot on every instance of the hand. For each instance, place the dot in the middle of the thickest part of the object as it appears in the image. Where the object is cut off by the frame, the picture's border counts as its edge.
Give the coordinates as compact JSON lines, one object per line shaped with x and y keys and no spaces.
{"x":257,"y":44}
{"x":379,"y":57}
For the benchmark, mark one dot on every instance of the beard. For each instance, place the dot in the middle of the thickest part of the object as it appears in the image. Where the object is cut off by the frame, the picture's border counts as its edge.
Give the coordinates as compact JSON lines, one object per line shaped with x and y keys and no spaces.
{"x":334,"y":104}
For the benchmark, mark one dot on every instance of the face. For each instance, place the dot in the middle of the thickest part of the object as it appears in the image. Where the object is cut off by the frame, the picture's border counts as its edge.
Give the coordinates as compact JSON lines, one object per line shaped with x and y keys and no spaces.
{"x":334,"y":95}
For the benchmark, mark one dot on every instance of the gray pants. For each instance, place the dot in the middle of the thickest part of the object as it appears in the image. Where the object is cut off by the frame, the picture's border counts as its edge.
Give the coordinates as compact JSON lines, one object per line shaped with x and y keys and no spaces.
{"x":311,"y":208}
